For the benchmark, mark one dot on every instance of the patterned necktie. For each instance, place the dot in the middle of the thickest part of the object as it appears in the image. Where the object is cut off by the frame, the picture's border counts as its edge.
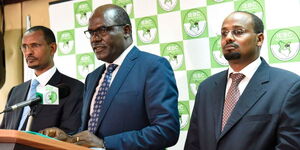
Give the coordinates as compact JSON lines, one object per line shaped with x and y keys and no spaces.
{"x":26,"y":110}
{"x":100,"y":97}
{"x":232,"y":96}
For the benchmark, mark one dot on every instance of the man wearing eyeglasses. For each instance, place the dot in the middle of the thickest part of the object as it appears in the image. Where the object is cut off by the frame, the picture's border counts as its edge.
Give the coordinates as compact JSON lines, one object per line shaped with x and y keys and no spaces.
{"x":138,"y":109}
{"x":38,"y":47}
{"x":250,"y":106}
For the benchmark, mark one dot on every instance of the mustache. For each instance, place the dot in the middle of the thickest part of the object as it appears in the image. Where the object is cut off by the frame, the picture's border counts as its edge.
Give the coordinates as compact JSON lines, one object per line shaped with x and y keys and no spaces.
{"x":31,"y":58}
{"x":97,"y":44}
{"x":231,"y":45}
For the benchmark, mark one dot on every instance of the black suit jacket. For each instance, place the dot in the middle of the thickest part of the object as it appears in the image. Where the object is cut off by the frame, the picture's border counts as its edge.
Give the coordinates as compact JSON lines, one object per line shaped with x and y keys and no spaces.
{"x":65,"y":116}
{"x":266,"y":117}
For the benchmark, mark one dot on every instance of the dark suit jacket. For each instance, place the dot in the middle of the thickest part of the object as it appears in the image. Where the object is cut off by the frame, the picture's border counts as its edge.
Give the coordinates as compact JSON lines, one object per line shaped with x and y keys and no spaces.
{"x":65,"y":116}
{"x":266,"y":117}
{"x":140,"y":109}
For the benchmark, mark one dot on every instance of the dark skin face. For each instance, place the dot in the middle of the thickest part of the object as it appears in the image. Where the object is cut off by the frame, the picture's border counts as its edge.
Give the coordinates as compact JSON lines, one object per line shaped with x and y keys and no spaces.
{"x":37,"y":52}
{"x":110,"y":46}
{"x":242,"y":47}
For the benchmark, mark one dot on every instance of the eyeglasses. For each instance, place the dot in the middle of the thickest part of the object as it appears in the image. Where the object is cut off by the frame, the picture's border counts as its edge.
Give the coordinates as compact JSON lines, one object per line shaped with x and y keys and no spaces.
{"x":235,"y":32}
{"x":30,"y":46}
{"x":102,"y":31}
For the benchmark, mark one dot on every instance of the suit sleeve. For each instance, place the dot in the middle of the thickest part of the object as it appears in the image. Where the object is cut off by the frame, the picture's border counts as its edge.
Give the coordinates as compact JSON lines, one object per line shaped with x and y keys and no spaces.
{"x":4,"y":120}
{"x":70,"y":120}
{"x":161,"y":104}
{"x":289,"y":124}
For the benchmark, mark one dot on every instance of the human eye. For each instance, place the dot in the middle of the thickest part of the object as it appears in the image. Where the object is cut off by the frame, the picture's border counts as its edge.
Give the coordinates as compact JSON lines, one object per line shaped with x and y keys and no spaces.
{"x":239,"y":32}
{"x":224,"y":33}
{"x":102,"y":30}
{"x":35,"y":45}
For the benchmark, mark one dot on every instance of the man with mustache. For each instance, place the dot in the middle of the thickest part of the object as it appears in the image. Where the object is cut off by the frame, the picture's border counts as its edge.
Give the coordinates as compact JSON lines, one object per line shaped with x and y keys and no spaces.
{"x":250,"y":106}
{"x":38,"y":47}
{"x":135,"y":91}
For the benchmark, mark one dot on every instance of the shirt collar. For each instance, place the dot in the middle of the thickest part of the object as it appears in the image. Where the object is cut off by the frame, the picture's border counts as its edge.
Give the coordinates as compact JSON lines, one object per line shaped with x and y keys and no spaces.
{"x":121,"y":58}
{"x":249,"y":70}
{"x":46,"y":76}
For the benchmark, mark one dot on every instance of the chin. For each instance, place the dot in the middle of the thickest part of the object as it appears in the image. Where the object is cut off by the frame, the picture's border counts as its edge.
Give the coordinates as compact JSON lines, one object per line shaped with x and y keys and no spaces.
{"x":232,"y":56}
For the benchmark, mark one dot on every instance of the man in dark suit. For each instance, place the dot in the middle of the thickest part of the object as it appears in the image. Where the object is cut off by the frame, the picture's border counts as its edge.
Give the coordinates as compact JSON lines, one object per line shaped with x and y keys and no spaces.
{"x":139,"y":109}
{"x":265,"y":114}
{"x":38,"y":47}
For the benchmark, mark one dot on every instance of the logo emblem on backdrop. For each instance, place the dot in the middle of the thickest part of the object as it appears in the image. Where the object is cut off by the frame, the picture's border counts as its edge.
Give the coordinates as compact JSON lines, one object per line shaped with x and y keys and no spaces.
{"x":194,"y":22}
{"x":66,"y":42}
{"x":195,"y":78}
{"x":174,"y":53}
{"x":218,"y":1}
{"x":167,"y":5}
{"x":252,"y":6}
{"x":284,"y":44}
{"x":184,"y":119}
{"x":147,"y":30}
{"x":85,"y":64}
{"x":82,"y":12}
{"x":127,"y":5}
{"x":217,"y":52}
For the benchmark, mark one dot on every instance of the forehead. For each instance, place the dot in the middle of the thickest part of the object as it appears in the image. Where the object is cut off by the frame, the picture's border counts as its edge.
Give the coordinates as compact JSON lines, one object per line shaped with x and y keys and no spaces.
{"x":102,"y":17}
{"x":238,"y":20}
{"x":33,"y":37}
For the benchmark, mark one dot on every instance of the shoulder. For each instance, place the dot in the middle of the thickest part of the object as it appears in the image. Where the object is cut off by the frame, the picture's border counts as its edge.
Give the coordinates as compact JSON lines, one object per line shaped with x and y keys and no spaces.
{"x":71,"y":81}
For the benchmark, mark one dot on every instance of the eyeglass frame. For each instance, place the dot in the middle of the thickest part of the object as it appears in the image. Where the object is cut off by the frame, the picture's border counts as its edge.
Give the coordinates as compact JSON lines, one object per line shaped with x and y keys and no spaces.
{"x":102,"y":30}
{"x":235,"y":32}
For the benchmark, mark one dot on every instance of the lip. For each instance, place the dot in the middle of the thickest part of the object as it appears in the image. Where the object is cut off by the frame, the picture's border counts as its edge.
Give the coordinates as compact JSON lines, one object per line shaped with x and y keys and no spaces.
{"x":230,"y":47}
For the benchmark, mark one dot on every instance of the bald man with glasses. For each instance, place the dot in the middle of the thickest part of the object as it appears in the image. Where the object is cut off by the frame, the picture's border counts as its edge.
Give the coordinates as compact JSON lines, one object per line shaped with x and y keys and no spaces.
{"x":130,"y":102}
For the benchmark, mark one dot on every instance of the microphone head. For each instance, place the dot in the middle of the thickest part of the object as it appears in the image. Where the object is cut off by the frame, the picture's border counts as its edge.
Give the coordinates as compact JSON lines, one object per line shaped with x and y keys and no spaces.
{"x":63,"y":90}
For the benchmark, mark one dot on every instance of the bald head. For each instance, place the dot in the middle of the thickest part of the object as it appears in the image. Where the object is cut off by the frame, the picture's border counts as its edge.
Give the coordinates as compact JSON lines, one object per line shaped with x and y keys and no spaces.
{"x":112,"y":14}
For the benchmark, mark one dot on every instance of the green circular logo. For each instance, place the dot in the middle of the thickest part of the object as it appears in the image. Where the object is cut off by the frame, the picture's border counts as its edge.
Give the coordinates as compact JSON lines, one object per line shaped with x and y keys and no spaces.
{"x":195,"y":79}
{"x":83,"y":13}
{"x":217,"y":52}
{"x":85,"y":65}
{"x":174,"y":53}
{"x":285,"y":44}
{"x":167,"y":5}
{"x":66,"y":42}
{"x":194,"y":22}
{"x":51,"y":97}
{"x":252,"y":6}
{"x":184,"y":115}
{"x":147,"y":30}
{"x":126,"y":5}
{"x":218,"y":1}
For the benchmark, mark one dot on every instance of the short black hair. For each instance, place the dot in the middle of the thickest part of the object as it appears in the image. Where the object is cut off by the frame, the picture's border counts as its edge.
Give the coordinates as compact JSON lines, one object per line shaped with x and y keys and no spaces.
{"x":48,"y":33}
{"x":258,"y":25}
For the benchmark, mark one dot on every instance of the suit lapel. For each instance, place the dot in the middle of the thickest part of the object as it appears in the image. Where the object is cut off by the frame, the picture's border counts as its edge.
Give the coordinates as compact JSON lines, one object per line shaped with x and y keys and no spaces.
{"x":218,"y":99}
{"x":92,"y":83}
{"x":54,"y":81}
{"x":120,"y":77}
{"x":255,"y":89}
{"x":23,"y":97}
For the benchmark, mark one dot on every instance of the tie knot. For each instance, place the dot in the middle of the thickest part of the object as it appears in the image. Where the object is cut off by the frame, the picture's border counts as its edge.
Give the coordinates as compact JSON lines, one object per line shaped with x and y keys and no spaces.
{"x":237,"y":77}
{"x":111,"y":68}
{"x":34,"y":83}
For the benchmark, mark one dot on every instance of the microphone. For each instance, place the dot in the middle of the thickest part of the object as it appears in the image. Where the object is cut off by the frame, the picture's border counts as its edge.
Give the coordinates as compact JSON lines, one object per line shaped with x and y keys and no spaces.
{"x":48,"y":95}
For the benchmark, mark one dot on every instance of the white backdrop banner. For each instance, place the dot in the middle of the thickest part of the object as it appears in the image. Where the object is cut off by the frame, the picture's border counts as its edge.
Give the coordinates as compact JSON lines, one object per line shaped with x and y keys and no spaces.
{"x":186,"y":32}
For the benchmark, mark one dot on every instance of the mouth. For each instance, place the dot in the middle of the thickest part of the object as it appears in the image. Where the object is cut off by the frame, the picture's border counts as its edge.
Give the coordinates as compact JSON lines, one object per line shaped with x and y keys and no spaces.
{"x":98,"y":47}
{"x":30,"y":59}
{"x":229,"y":47}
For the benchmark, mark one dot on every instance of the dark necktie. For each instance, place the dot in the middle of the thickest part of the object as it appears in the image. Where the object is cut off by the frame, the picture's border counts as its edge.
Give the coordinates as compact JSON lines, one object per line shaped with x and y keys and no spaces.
{"x":232,"y":96}
{"x":100,"y":97}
